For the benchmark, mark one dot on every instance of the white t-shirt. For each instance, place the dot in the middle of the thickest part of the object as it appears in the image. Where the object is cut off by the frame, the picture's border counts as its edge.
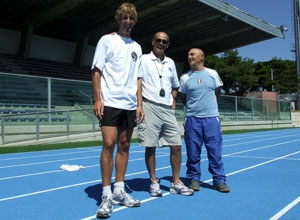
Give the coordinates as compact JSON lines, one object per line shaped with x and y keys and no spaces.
{"x":151,"y":68}
{"x":118,"y":59}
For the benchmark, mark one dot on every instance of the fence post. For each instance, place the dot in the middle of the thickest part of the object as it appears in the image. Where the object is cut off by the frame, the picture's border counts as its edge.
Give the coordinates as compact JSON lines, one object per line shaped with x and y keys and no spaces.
{"x":93,"y":119}
{"x":236,"y":108}
{"x":49,"y":100}
{"x":2,"y":130}
{"x":267,"y":109}
{"x":68,"y":123}
{"x":252,"y":108}
{"x":37,"y":124}
{"x":278,"y":110}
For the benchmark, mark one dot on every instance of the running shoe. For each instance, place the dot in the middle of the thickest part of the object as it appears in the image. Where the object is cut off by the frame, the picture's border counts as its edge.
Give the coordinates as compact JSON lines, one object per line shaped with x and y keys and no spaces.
{"x":155,"y":188}
{"x":106,"y":208}
{"x":180,"y":188}
{"x":125,"y":199}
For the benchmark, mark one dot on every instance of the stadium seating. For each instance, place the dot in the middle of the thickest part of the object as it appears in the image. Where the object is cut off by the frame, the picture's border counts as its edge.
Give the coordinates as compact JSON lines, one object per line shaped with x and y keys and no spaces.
{"x":39,"y":67}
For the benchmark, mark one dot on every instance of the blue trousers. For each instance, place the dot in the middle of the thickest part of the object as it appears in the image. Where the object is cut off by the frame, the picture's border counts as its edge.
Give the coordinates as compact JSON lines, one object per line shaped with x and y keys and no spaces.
{"x":207,"y":131}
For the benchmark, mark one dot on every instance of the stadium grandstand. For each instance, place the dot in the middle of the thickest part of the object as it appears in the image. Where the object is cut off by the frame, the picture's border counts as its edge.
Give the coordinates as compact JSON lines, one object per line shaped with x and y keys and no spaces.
{"x":46,"y":50}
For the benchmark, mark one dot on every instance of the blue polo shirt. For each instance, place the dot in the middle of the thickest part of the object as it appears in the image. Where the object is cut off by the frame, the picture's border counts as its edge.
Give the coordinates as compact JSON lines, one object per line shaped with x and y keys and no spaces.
{"x":199,"y":88}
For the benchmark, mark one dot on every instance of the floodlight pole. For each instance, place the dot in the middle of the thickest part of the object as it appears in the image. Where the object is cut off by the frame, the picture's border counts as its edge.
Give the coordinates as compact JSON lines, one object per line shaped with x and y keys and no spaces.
{"x":272,"y":77}
{"x":297,"y":27}
{"x":297,"y":43}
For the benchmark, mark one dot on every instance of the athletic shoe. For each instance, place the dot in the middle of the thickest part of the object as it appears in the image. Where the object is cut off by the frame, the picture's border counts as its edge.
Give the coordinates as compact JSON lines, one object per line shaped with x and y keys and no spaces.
{"x":155,"y":189}
{"x":195,"y":185}
{"x":180,"y":188}
{"x":124,"y":198}
{"x":105,"y":208}
{"x":222,"y":187}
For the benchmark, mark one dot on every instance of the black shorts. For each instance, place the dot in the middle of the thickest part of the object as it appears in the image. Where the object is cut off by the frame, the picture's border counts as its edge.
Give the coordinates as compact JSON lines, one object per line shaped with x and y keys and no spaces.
{"x":118,"y":117}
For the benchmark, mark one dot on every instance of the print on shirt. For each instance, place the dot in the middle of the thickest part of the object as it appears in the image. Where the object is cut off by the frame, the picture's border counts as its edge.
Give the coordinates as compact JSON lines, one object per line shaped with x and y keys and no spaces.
{"x":133,"y":56}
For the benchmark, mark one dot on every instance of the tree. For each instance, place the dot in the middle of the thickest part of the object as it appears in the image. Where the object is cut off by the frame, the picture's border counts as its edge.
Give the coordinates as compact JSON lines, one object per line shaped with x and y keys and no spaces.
{"x":241,"y":75}
{"x":238,"y":74}
{"x":285,"y":79}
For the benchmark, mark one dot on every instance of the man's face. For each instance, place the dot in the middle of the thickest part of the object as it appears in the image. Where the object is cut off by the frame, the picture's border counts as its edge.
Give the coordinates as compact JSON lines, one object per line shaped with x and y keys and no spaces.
{"x":127,"y":21}
{"x":160,"y":43}
{"x":195,"y":57}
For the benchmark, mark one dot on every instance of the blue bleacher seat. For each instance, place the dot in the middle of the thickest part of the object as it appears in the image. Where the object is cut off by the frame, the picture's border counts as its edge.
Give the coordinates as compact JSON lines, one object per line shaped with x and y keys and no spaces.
{"x":5,"y":111}
{"x":43,"y":119}
{"x":14,"y":119}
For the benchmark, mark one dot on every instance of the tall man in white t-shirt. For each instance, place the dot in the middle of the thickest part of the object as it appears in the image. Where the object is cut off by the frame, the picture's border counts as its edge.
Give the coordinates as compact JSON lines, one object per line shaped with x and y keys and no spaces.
{"x":114,"y":79}
{"x":157,"y":88}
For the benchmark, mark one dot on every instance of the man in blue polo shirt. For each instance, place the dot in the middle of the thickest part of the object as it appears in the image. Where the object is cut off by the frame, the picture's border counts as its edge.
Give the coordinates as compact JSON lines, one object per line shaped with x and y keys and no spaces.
{"x":200,"y":89}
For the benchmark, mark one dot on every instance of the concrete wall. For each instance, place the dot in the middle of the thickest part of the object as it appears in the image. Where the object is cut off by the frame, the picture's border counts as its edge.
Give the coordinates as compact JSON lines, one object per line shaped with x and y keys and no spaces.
{"x":96,"y":136}
{"x":296,"y":119}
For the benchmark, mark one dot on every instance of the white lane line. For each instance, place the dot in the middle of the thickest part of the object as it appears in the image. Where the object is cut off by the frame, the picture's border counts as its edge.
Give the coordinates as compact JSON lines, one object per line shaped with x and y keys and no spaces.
{"x":47,"y":190}
{"x":257,"y":137}
{"x":68,"y":186}
{"x":261,"y":140}
{"x":54,"y":161}
{"x":285,"y":209}
{"x":81,"y":150}
{"x":206,"y":181}
{"x":259,"y":148}
{"x":47,"y":155}
{"x":53,"y":171}
{"x":81,"y":158}
{"x":50,"y":161}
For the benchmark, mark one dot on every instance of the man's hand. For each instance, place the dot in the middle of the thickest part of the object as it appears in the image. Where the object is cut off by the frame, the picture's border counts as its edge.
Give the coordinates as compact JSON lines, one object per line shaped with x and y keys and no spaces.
{"x":140,"y":115}
{"x":98,"y":109}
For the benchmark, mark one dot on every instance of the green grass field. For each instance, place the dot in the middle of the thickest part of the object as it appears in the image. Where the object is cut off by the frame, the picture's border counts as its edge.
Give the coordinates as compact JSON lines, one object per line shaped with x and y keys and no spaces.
{"x":41,"y":147}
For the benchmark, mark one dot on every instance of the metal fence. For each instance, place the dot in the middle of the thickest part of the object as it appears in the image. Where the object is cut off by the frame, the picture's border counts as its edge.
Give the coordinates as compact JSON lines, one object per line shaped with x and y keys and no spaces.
{"x":20,"y":127}
{"x":234,"y":108}
{"x":33,"y":108}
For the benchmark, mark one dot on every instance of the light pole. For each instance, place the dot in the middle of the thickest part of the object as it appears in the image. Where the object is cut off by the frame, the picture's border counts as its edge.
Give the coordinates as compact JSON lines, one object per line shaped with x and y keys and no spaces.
{"x":297,"y":43}
{"x":272,"y":79}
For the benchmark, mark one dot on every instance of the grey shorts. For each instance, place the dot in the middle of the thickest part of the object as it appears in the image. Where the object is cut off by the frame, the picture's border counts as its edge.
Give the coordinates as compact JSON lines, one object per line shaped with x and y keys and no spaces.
{"x":159,"y":127}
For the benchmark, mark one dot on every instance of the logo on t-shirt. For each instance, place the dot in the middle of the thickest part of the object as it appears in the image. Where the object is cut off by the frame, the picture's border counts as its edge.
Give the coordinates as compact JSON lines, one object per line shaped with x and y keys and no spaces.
{"x":133,"y":56}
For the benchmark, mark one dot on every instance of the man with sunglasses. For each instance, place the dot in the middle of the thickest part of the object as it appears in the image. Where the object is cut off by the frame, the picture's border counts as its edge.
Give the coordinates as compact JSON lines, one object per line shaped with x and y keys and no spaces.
{"x":114,"y":79}
{"x":158,"y":88}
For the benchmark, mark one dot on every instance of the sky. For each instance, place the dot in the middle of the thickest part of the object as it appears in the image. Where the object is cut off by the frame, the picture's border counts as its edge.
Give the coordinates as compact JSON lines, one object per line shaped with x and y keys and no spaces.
{"x":275,"y":12}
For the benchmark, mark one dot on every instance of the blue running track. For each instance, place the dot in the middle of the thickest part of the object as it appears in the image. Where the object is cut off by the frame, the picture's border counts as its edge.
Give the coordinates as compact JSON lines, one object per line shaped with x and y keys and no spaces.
{"x":263,"y":173}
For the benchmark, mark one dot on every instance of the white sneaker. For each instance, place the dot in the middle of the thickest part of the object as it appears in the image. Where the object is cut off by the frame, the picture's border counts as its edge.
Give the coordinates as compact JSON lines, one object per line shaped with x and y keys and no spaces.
{"x":106,"y":208}
{"x":124,"y":198}
{"x":180,"y":188}
{"x":155,"y":189}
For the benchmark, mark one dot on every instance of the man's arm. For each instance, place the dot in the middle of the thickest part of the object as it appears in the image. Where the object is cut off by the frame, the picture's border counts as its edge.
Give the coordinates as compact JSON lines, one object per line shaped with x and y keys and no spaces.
{"x":174,"y":95}
{"x":98,"y":104}
{"x":183,"y":98}
{"x":139,"y":111}
{"x":218,"y":93}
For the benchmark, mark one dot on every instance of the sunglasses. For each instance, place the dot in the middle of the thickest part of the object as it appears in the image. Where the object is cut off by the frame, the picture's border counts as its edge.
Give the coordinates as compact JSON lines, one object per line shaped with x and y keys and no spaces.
{"x":161,"y":41}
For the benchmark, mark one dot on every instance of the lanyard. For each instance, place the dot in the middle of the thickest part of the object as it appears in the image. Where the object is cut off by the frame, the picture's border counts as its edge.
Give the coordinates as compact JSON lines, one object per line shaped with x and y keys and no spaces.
{"x":160,"y":73}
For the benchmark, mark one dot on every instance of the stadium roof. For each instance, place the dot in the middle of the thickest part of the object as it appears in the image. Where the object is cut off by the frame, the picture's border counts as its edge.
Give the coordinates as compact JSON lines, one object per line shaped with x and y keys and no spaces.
{"x":213,"y":25}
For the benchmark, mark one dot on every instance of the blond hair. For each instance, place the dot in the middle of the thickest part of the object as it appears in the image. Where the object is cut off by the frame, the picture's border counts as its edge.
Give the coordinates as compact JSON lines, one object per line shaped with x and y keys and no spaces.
{"x":124,"y":9}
